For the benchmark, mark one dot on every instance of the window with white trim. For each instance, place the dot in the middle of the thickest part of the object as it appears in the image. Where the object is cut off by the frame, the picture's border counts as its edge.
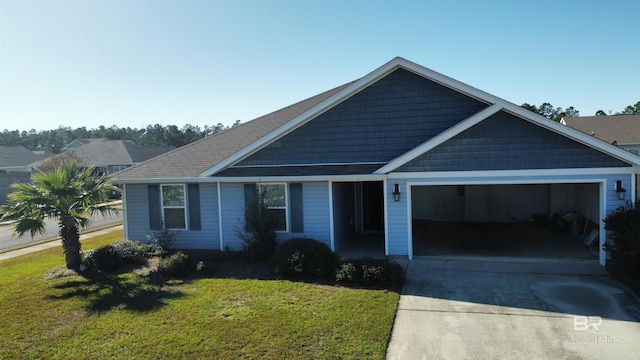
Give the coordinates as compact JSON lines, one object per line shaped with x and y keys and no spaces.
{"x":275,"y":199}
{"x":116,"y":168}
{"x":173,"y":206}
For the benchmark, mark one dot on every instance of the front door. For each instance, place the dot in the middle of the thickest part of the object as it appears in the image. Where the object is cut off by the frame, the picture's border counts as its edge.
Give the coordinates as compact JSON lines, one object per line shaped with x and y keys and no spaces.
{"x":373,"y":206}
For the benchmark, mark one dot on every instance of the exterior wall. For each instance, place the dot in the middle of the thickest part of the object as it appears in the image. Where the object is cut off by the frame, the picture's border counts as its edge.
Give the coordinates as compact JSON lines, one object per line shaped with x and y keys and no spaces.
{"x":401,"y":110}
{"x":208,"y":237}
{"x":138,"y":226}
{"x":232,"y":198}
{"x":398,"y":219}
{"x":136,"y":202}
{"x":316,"y":213}
{"x":507,"y":142}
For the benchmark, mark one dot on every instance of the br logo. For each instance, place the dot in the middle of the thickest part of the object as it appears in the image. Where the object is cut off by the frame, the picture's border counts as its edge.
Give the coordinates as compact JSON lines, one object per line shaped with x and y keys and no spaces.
{"x":584,"y":323}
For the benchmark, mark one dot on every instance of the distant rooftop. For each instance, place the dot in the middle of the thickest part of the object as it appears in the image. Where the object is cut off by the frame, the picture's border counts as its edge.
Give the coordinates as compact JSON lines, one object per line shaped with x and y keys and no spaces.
{"x":623,"y":129}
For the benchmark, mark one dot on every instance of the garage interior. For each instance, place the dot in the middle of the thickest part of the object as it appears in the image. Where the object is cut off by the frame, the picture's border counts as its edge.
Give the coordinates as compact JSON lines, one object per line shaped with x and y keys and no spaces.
{"x":548,"y":221}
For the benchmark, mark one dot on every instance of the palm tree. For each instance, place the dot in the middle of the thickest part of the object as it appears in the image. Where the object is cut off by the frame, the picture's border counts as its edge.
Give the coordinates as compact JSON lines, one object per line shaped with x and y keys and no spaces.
{"x":68,"y":194}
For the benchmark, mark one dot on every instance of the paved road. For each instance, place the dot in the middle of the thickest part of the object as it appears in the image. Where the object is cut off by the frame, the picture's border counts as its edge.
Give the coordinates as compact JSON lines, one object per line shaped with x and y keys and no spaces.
{"x":50,"y":244}
{"x":478,"y":309}
{"x":6,"y":241}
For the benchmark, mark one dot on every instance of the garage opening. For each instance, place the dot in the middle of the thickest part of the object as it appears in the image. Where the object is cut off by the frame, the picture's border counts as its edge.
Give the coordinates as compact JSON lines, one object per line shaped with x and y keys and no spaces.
{"x":559,"y":221}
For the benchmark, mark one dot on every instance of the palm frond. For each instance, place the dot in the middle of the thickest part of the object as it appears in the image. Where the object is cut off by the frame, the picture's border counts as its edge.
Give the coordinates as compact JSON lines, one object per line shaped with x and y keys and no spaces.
{"x":67,"y":193}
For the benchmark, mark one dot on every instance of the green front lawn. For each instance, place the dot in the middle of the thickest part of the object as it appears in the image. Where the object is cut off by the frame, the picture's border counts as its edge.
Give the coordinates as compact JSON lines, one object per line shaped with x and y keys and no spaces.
{"x":128,"y":316}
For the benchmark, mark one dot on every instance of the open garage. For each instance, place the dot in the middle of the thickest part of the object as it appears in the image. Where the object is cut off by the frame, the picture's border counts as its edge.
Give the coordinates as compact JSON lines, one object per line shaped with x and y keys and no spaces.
{"x":535,"y":220}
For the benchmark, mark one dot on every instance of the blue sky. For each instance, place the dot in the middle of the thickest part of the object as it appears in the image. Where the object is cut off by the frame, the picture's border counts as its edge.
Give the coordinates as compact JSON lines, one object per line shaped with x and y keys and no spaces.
{"x":136,"y":63}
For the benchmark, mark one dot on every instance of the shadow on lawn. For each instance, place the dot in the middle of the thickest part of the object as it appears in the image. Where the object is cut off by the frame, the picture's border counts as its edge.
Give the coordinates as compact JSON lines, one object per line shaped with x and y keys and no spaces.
{"x":105,"y":291}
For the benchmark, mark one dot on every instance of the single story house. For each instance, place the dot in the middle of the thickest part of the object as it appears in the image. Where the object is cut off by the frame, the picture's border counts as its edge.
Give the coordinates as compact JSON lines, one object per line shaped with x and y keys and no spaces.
{"x":622,"y":130}
{"x":19,"y":158}
{"x":401,"y":144}
{"x":111,"y":156}
{"x":16,"y":166}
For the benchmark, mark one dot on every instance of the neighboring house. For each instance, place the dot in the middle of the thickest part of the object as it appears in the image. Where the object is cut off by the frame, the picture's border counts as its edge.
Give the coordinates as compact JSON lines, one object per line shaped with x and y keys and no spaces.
{"x":15,"y":166}
{"x":620,"y":130}
{"x":111,"y":156}
{"x":81,"y":142}
{"x":403,"y":143}
{"x":19,"y":158}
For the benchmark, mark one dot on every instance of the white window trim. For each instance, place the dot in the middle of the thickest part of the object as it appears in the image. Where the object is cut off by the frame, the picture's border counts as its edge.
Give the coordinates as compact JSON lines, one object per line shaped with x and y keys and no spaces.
{"x":286,"y":206}
{"x":116,"y":168}
{"x":184,"y":207}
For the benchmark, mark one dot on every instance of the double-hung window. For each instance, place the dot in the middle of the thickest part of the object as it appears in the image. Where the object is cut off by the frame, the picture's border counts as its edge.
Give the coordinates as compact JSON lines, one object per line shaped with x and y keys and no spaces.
{"x":173,"y":206}
{"x":275,"y":199}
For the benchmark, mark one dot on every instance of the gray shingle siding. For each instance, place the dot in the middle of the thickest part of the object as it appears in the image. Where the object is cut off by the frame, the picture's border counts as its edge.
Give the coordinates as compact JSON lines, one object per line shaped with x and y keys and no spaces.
{"x":383,"y":121}
{"x":506,"y":142}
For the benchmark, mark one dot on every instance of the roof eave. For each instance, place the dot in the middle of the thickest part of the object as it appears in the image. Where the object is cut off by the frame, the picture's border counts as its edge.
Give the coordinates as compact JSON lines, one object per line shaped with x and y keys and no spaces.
{"x":357,"y":86}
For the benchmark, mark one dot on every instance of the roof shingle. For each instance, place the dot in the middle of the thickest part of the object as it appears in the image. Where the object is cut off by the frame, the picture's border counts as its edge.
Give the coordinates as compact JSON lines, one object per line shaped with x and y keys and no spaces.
{"x":193,"y":159}
{"x":624,"y":129}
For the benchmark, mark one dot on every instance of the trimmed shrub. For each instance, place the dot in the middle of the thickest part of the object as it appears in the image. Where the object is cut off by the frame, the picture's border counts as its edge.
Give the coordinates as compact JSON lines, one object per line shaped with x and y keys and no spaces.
{"x":304,"y":258}
{"x":175,"y":265}
{"x":370,"y":272}
{"x":161,"y":241}
{"x":113,"y":256}
{"x":257,"y":230}
{"x":623,"y":243}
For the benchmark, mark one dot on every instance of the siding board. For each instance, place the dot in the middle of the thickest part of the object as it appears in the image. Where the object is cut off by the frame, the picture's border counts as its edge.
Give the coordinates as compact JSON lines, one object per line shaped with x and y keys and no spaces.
{"x":506,"y":142}
{"x":403,"y":109}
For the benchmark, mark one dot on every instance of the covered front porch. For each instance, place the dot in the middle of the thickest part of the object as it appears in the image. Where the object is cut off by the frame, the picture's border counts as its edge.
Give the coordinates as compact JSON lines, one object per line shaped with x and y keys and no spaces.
{"x":358,"y":218}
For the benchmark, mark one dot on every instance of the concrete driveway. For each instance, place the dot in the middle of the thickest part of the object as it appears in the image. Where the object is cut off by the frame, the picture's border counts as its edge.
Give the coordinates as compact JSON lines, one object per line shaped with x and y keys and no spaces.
{"x":536,"y":309}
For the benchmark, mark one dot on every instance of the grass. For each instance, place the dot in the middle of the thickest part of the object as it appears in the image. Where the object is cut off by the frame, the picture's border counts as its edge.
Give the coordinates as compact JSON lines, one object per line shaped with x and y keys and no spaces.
{"x":122,"y":316}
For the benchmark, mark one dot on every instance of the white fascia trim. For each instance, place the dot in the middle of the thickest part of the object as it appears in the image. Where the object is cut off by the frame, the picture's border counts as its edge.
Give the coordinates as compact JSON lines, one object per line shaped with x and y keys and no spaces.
{"x":307,"y":116}
{"x":593,"y":180}
{"x":512,"y":173}
{"x":346,"y":93}
{"x":450,"y":82}
{"x":440,"y":138}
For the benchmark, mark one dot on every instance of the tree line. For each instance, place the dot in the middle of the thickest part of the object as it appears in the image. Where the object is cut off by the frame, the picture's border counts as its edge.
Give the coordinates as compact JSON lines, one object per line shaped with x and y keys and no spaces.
{"x":556,"y":113}
{"x":157,"y":135}
{"x":153,"y":135}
